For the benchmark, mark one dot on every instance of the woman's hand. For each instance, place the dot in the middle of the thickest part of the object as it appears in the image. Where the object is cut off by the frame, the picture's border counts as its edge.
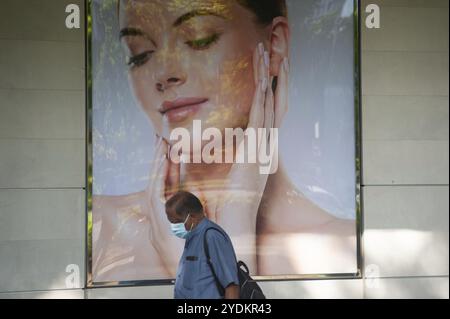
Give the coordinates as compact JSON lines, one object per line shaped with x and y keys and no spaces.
{"x":164,"y":181}
{"x":237,"y":208}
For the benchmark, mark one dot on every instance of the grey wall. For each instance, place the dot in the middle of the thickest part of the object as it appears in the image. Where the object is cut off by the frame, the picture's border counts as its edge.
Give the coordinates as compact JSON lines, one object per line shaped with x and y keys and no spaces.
{"x":42,"y":147}
{"x":405,"y":112}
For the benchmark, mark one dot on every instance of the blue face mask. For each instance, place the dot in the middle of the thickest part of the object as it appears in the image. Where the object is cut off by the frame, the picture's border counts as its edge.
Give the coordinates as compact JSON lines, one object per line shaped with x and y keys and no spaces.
{"x":179,"y":229}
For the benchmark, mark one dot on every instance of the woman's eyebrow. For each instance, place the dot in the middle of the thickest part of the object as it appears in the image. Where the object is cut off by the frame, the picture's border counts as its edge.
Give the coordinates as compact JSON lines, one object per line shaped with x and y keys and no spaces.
{"x":196,"y":13}
{"x":131,"y":32}
{"x":128,"y":31}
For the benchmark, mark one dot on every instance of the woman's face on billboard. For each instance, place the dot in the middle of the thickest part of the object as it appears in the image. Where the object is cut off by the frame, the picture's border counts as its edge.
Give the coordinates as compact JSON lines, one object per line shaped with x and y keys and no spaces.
{"x":191,"y":60}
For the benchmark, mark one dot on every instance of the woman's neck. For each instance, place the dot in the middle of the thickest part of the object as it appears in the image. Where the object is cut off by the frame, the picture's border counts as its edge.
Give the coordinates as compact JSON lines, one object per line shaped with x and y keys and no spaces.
{"x":214,"y":176}
{"x":205,"y":176}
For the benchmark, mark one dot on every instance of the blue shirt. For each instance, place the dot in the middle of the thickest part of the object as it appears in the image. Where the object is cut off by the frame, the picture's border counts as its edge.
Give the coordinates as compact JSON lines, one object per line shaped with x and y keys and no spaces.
{"x":194,"y":276}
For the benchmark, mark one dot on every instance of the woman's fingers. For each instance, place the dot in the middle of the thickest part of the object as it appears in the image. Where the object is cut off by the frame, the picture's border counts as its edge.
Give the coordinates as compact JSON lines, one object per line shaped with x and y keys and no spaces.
{"x":173,"y":179}
{"x":264,"y":70}
{"x":157,"y":140}
{"x":268,"y":102}
{"x":156,"y":163}
{"x":269,"y":109}
{"x":256,"y":119}
{"x":159,"y":189}
{"x":268,"y":120}
{"x":282,"y":93}
{"x":259,"y":51}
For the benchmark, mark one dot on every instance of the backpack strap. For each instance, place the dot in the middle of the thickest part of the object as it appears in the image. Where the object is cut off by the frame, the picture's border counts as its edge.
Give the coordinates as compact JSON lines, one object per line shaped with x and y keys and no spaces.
{"x":208,"y":259}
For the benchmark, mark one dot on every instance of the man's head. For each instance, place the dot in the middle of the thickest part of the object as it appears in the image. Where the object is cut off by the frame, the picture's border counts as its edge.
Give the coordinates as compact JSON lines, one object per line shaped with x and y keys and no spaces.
{"x":184,"y":207}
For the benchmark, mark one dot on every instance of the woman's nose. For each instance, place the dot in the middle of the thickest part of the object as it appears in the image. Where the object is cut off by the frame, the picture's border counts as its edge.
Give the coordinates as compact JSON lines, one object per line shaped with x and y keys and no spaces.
{"x":172,"y":81}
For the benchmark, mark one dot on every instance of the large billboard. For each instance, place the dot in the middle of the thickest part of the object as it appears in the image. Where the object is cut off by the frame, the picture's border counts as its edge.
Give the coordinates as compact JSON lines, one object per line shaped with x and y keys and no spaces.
{"x":249,"y":104}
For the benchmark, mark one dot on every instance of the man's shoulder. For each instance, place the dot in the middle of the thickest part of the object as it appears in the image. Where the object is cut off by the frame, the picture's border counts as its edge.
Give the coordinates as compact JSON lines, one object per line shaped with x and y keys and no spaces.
{"x":215,"y":232}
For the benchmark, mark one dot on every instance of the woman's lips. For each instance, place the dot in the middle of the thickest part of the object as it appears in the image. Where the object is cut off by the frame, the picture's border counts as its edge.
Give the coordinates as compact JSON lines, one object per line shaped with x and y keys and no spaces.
{"x":181,"y":109}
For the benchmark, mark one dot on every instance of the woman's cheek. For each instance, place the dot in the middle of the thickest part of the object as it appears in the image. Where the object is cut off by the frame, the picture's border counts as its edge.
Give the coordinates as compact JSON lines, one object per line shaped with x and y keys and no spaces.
{"x":230,"y":104}
{"x":238,"y":82}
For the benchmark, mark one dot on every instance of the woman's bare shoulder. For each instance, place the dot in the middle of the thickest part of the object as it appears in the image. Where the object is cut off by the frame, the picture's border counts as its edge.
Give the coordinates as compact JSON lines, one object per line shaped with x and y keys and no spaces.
{"x":339,"y":227}
{"x":319,"y":221}
{"x":297,"y":213}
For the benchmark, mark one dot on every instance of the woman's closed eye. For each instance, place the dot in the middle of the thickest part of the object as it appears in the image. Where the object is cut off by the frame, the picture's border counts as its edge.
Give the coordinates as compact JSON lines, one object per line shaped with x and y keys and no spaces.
{"x":199,"y":44}
{"x":204,"y":43}
{"x":139,"y":59}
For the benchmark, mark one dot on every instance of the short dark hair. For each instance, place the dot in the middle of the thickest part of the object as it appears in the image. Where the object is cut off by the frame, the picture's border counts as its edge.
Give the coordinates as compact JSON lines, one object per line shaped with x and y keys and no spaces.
{"x":183,"y":203}
{"x":266,"y":10}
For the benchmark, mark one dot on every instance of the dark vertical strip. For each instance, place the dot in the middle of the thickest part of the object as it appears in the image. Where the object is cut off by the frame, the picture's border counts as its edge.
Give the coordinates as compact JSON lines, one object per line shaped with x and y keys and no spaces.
{"x":88,"y":144}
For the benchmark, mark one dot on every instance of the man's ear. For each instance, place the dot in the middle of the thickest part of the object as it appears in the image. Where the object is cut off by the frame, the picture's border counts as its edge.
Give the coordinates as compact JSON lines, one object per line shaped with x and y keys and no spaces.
{"x":279,"y":43}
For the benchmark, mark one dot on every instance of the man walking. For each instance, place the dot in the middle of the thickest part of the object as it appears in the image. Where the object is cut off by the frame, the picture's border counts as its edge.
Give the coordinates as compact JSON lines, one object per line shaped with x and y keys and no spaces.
{"x":195,"y":276}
